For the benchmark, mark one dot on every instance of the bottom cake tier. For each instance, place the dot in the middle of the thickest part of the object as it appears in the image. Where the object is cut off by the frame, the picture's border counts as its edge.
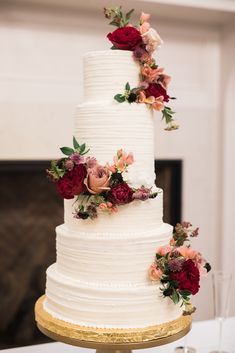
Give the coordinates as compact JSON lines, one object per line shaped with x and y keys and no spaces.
{"x":106,"y":306}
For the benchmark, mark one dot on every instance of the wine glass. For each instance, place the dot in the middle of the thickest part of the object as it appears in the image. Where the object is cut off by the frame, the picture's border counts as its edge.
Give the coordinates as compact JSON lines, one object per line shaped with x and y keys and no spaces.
{"x":185,"y":348}
{"x":221,"y":282}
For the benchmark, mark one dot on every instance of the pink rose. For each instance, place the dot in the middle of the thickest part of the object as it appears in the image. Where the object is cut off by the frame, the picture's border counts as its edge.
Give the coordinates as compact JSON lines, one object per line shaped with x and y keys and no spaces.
{"x":97,"y":179}
{"x":155,"y":274}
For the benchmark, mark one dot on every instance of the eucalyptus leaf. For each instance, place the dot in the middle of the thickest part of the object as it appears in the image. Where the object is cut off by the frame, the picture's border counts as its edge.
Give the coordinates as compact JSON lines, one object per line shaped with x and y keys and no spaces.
{"x":67,"y":150}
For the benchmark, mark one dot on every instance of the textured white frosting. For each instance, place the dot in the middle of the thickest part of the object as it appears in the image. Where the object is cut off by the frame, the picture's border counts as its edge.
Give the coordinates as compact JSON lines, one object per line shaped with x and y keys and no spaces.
{"x":108,"y":126}
{"x":117,"y":259}
{"x":101,"y":274}
{"x":107,"y":72}
{"x":106,"y":306}
{"x":138,"y":216}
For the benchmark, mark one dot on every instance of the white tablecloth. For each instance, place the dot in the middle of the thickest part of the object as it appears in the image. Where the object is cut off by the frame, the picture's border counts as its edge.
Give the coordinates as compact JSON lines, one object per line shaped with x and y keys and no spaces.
{"x":203,"y":337}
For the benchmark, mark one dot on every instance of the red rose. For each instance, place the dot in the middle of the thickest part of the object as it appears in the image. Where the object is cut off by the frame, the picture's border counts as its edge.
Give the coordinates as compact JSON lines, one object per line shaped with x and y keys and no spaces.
{"x":156,"y":90}
{"x":120,"y":194}
{"x":188,"y":278}
{"x":125,"y":38}
{"x":72,"y":183}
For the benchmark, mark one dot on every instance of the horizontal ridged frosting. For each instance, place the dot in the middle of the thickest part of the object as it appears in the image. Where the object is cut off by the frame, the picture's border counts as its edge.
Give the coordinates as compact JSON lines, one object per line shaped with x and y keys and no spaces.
{"x":84,"y":256}
{"x":107,"y":72}
{"x":102,"y":306}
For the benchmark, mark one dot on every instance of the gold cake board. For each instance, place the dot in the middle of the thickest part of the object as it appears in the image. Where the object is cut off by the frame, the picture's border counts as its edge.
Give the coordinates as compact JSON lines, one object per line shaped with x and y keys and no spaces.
{"x":107,"y":339}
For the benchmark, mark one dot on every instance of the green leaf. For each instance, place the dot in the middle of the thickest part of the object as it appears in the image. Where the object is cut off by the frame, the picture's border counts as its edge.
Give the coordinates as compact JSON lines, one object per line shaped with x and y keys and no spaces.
{"x":114,"y":48}
{"x":120,"y":98}
{"x":115,"y":23}
{"x":127,"y":87}
{"x":129,"y":13}
{"x":75,"y":143}
{"x":67,"y":150}
{"x":82,"y":148}
{"x":175,"y":297}
{"x":185,"y":293}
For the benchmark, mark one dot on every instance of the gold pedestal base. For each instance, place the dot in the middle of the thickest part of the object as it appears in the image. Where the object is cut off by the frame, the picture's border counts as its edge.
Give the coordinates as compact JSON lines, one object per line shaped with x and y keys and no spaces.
{"x":106,"y":340}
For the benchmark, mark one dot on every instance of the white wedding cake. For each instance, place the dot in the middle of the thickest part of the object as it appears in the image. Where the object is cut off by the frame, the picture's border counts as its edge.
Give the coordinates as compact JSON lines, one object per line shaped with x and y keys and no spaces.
{"x":121,"y":273}
{"x":100,"y":278}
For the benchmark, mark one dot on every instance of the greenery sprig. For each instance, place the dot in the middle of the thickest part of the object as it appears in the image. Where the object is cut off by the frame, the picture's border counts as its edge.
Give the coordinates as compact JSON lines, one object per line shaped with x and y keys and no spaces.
{"x":117,"y":17}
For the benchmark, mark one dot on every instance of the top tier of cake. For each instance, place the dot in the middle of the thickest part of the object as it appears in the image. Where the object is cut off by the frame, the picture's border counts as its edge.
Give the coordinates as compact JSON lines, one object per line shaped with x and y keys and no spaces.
{"x":106,"y":73}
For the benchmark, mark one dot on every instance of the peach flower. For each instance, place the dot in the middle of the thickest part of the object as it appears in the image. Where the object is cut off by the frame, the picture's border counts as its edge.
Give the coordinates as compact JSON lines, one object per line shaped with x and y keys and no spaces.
{"x":97,"y":179}
{"x":141,"y":97}
{"x":163,"y":250}
{"x":148,"y":73}
{"x":108,"y":207}
{"x":122,"y":160}
{"x":155,"y":274}
{"x":159,"y":103}
{"x":188,"y":252}
{"x":144,"y":17}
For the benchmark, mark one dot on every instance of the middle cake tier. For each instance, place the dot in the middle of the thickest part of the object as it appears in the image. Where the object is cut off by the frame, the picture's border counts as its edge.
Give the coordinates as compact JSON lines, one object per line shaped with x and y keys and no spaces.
{"x":108,"y":126}
{"x":103,"y":258}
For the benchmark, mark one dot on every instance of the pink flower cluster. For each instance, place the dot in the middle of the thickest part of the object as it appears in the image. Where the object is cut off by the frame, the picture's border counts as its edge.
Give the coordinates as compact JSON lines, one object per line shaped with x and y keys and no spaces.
{"x":102,"y":186}
{"x":178,"y":267}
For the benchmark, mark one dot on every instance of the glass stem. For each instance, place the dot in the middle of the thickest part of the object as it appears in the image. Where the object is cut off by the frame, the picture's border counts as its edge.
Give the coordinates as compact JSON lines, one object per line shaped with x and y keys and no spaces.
{"x":185,"y":344}
{"x":220,"y":334}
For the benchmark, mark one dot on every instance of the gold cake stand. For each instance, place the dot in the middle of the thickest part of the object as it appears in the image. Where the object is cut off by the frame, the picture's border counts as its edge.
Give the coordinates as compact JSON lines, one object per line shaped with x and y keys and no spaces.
{"x":110,"y":340}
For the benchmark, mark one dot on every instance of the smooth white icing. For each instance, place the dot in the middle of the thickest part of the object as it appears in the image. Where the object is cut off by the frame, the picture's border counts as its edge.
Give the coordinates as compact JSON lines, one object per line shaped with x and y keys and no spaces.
{"x":106,"y":258}
{"x":107,"y":72}
{"x":106,"y":306}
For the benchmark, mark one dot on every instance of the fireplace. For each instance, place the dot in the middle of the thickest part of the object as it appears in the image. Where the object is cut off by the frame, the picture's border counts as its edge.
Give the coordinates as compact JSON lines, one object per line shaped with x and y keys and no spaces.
{"x":30,"y":209}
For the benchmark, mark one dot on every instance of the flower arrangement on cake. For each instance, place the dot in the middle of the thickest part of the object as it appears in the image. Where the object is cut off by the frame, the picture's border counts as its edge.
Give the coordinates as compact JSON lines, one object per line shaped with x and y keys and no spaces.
{"x":143,"y":41}
{"x":178,"y":267}
{"x":97,"y":187}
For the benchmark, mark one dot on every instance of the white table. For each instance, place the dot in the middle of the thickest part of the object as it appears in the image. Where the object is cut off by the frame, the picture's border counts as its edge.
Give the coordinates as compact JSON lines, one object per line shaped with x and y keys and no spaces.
{"x":203,"y":337}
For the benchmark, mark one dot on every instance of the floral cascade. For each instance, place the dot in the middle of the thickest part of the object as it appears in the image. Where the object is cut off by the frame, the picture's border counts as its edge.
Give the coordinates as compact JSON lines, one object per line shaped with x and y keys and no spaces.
{"x":178,"y":267}
{"x":97,"y":187}
{"x":142,"y":40}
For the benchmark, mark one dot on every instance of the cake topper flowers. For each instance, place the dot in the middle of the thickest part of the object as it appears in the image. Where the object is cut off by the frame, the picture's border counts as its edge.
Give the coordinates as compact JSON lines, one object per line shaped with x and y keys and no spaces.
{"x":143,"y":41}
{"x":178,"y":267}
{"x":97,"y":188}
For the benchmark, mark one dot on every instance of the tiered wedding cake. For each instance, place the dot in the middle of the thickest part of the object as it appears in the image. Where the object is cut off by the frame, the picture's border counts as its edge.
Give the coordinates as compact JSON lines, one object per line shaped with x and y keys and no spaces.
{"x":118,"y":265}
{"x":101,"y":274}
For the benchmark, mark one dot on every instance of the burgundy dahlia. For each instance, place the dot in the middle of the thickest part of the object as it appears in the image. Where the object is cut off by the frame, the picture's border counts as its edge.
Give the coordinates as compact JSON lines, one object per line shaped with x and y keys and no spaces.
{"x":125,"y":38}
{"x":188,"y":278}
{"x":156,"y":90}
{"x":72,"y":183}
{"x":120,"y":194}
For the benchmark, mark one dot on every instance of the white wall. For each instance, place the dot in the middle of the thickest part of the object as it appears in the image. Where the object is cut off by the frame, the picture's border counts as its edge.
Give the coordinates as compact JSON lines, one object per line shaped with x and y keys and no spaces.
{"x":41,"y":82}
